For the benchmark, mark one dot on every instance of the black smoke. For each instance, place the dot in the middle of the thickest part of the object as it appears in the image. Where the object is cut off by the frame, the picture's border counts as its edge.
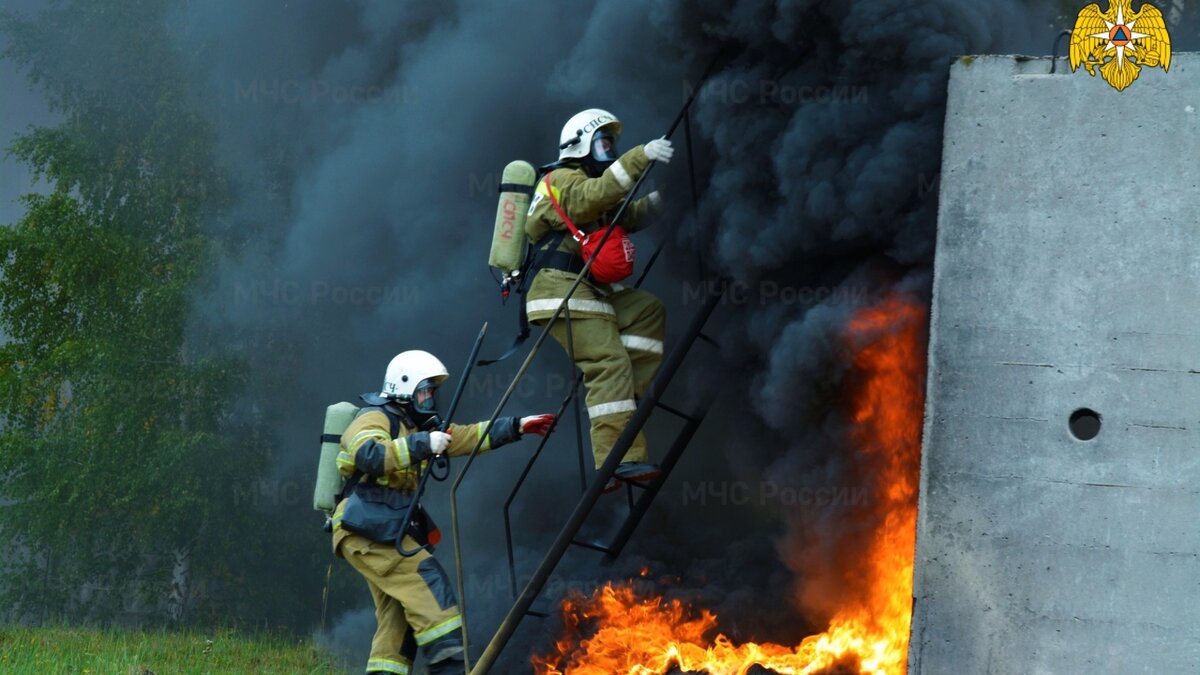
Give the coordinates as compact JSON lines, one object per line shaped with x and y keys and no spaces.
{"x":367,"y":138}
{"x":364,"y":141}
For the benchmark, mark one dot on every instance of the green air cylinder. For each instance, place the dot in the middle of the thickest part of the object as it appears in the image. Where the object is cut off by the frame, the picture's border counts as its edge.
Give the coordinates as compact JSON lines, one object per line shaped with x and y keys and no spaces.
{"x":329,"y":482}
{"x":508,"y":239}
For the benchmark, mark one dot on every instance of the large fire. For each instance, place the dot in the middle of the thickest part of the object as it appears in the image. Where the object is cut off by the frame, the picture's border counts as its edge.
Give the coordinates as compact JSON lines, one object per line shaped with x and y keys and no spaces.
{"x":619,"y":631}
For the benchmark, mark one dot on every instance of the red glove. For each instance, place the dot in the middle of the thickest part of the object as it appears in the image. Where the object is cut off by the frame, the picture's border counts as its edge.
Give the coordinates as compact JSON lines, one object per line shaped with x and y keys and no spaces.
{"x":537,"y":424}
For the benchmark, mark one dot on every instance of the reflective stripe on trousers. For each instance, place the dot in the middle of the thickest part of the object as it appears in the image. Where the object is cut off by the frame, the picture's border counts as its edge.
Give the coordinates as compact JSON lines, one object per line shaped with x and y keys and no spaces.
{"x":602,"y":409}
{"x":644,"y":344}
{"x":551,"y":304}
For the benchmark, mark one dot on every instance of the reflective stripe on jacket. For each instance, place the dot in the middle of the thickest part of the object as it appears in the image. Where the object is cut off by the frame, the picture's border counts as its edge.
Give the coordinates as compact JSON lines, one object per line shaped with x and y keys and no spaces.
{"x":391,"y":469}
{"x":586,"y":201}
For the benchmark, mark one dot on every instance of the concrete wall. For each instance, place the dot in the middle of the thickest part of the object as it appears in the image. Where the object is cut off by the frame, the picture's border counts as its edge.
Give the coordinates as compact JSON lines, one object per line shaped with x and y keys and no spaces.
{"x":1067,"y":275}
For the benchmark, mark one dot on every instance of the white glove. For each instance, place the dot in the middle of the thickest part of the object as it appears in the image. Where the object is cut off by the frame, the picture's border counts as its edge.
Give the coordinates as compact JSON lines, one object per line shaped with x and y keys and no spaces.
{"x":439,"y":441}
{"x":659,"y":150}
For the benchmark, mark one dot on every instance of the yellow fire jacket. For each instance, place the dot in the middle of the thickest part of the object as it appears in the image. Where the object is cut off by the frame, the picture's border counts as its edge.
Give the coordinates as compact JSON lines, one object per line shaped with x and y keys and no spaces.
{"x":391,"y":469}
{"x":586,"y":201}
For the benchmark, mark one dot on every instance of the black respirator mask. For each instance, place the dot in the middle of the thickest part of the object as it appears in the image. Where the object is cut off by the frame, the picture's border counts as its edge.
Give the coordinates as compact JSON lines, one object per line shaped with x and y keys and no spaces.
{"x":422,"y":407}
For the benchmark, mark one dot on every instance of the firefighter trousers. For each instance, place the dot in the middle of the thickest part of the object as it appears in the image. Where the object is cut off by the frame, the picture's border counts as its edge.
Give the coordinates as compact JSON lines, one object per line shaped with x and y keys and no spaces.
{"x":415,"y":605}
{"x":619,"y":356}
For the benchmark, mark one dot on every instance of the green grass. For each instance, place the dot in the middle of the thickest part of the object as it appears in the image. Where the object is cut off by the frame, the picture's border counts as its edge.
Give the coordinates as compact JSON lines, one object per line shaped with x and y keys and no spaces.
{"x":54,"y":651}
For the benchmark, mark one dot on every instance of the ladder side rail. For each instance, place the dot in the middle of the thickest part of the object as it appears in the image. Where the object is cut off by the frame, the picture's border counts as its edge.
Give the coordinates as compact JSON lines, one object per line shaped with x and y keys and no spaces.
{"x":648,"y":496}
{"x":512,"y":569}
{"x":542,"y":574}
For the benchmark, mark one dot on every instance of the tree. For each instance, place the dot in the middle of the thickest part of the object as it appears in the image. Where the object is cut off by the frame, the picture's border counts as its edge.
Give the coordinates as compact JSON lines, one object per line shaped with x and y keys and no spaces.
{"x":118,"y":450}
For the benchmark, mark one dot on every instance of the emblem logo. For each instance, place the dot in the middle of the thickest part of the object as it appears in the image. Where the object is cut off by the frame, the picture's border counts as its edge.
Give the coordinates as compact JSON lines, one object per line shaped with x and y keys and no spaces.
{"x":1120,"y":41}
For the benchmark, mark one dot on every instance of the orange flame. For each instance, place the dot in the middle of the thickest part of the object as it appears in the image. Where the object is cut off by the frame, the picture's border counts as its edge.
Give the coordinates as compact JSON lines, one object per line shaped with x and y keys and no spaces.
{"x":648,"y":635}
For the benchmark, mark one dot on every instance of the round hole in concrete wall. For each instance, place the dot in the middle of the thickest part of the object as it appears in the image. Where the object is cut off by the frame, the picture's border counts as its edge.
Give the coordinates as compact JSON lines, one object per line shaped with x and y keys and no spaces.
{"x":1084,"y":424}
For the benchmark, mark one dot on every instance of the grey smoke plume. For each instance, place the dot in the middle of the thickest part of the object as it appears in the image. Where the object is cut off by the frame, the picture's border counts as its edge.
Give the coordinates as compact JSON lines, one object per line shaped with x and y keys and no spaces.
{"x":367,"y":139}
{"x":350,"y":636}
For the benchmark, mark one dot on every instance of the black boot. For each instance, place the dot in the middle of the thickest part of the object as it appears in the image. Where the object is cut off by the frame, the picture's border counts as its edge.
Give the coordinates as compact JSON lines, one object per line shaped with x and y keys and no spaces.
{"x":638,"y":472}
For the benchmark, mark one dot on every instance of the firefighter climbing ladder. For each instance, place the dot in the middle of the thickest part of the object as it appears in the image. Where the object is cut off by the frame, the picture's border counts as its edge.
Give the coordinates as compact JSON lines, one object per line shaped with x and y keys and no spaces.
{"x":650,"y":400}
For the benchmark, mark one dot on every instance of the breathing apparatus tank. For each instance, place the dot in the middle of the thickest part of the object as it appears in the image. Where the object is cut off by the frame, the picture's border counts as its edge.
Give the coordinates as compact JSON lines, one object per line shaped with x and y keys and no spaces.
{"x":508,"y":237}
{"x":329,"y":482}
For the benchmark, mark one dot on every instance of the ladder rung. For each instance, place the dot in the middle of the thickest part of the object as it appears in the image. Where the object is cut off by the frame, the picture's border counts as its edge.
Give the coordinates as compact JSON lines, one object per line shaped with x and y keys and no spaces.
{"x":534,"y":612}
{"x":675,"y":411}
{"x":569,"y":534}
{"x":590,"y":544}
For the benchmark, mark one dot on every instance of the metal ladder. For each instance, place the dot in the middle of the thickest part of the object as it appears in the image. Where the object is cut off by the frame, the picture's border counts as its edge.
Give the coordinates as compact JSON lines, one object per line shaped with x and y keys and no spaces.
{"x":649,"y":401}
{"x":638,"y":506}
{"x":569,"y":533}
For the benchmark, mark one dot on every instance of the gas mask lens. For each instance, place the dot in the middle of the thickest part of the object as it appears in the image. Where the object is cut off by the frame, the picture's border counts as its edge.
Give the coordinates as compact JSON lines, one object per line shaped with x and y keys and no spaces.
{"x":425,"y":397}
{"x":604,"y":147}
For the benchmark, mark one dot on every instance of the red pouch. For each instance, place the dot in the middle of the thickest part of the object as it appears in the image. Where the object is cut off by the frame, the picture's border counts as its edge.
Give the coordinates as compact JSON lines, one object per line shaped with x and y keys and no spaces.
{"x":615,"y":261}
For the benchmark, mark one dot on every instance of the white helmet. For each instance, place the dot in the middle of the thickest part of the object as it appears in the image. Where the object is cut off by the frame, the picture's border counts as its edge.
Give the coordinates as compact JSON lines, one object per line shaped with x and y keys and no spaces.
{"x":409,"y":371}
{"x":575,"y":142}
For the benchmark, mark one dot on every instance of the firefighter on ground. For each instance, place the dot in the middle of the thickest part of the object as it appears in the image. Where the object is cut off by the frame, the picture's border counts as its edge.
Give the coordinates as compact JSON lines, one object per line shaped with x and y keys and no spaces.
{"x":617,"y":331}
{"x":386,"y":446}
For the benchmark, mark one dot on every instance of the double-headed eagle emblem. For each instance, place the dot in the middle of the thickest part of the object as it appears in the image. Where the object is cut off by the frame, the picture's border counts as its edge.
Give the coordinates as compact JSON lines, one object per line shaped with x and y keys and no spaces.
{"x":1120,"y":41}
